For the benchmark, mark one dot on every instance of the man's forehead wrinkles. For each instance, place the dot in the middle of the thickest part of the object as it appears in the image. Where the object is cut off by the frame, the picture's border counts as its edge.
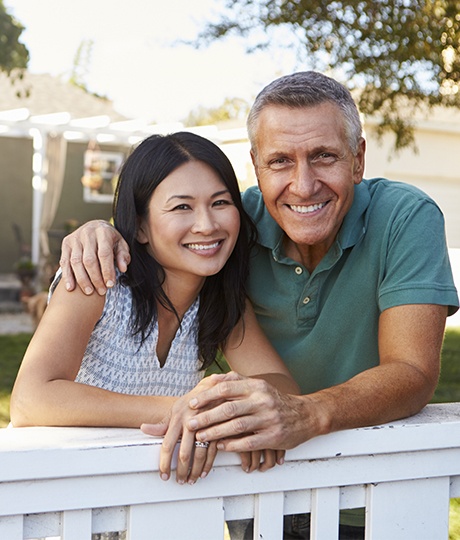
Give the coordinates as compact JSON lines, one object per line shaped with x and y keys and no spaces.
{"x":302,"y":148}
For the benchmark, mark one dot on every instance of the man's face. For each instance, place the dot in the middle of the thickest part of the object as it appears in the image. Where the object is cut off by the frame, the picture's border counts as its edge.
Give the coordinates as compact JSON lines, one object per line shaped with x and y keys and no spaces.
{"x":306,"y":173}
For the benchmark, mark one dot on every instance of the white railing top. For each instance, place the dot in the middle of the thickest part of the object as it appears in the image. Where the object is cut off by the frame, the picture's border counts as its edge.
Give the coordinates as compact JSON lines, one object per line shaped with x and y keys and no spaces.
{"x":73,"y":482}
{"x":54,"y":449}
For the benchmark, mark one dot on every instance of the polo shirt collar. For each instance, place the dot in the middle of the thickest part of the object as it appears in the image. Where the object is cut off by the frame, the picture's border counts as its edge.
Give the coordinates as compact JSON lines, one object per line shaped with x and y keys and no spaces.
{"x":354,"y":226}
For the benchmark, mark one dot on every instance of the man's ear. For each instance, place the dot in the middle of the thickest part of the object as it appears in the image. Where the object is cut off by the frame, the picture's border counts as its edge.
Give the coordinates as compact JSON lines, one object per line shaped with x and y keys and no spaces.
{"x":254,"y":163}
{"x":359,"y":162}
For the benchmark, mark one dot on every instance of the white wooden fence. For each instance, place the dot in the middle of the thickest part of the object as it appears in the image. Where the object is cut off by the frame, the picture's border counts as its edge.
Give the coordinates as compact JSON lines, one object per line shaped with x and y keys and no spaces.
{"x":72,"y":482}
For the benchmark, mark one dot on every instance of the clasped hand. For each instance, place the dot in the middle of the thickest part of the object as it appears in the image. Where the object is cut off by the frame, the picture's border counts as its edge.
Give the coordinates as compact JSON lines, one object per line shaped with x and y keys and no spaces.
{"x":225,"y":409}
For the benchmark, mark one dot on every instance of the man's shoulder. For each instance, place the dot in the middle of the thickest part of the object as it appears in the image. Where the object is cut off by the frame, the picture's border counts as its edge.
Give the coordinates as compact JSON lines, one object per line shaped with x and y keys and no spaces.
{"x":395,"y":190}
{"x":253,"y":203}
{"x":392,"y":198}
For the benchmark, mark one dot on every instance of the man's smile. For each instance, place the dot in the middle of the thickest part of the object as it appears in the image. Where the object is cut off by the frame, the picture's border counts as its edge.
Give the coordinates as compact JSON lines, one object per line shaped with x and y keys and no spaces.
{"x":306,"y":209}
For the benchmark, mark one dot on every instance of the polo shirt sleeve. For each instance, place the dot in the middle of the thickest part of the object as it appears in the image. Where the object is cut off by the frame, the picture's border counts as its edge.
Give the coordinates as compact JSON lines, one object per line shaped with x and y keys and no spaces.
{"x":416,"y":266}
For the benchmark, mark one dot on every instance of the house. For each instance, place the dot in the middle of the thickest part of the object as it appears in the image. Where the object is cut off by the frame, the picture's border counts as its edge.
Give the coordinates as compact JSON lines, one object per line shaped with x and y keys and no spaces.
{"x":26,"y":108}
{"x":56,"y":118}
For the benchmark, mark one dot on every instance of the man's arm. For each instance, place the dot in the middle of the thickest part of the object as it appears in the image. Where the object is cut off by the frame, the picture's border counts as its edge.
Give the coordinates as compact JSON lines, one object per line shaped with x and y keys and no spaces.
{"x":89,"y":255}
{"x":410,"y":340}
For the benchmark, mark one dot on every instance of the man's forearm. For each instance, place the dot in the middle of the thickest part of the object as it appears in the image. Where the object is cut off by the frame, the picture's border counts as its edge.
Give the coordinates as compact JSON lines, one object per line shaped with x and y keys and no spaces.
{"x":378,"y":395}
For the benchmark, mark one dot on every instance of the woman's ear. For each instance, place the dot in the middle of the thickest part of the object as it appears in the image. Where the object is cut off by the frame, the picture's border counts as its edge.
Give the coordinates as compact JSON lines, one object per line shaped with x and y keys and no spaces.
{"x":141,"y":237}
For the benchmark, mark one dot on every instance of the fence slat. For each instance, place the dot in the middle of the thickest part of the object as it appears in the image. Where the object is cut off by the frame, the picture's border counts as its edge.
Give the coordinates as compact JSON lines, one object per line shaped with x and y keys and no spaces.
{"x":268,"y":516}
{"x":12,"y":527}
{"x":325,"y":513}
{"x":408,"y":509}
{"x":192,"y":520}
{"x":76,"y":525}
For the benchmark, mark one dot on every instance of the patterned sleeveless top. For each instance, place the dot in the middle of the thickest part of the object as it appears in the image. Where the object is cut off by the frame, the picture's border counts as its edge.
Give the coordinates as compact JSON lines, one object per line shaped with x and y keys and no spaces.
{"x":116,"y":361}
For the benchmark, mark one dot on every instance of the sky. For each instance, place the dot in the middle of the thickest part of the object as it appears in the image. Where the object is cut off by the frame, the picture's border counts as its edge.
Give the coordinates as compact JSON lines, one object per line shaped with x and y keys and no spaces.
{"x":136,"y":60}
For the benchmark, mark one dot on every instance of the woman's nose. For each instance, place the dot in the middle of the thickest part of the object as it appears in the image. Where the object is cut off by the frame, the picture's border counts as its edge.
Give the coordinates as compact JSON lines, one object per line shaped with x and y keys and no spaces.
{"x":204,"y":222}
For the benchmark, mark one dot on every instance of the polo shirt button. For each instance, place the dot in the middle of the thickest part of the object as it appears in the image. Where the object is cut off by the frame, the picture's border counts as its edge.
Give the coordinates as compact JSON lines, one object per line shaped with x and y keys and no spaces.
{"x":306,"y":300}
{"x":298,"y":270}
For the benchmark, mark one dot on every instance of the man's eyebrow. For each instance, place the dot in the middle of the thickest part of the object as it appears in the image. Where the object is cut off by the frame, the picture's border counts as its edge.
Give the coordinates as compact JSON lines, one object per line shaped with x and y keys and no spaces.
{"x":275,"y":153}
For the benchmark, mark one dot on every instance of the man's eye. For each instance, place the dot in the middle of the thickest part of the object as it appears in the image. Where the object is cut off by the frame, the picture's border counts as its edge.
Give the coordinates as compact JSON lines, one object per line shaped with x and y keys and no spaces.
{"x":278,"y":162}
{"x":325,"y":156}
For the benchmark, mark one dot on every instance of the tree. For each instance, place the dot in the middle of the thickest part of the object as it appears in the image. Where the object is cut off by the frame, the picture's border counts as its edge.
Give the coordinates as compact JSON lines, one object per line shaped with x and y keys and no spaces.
{"x":81,"y":63}
{"x":231,"y":109}
{"x":13,"y":54}
{"x":398,"y":56}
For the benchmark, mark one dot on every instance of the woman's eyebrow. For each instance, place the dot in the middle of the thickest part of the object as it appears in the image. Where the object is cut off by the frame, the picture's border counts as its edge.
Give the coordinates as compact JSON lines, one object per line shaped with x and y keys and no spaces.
{"x":179,"y":197}
{"x":219,"y":193}
{"x":191,"y":197}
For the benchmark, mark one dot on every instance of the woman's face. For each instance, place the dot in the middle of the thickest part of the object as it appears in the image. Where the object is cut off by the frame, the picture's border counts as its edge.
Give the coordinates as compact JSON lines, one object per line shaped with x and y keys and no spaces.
{"x":192,"y":224}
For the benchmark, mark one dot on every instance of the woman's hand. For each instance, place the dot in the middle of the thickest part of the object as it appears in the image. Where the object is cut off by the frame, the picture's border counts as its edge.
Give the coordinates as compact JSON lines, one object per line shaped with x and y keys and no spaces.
{"x":193,"y":461}
{"x":261,"y":460}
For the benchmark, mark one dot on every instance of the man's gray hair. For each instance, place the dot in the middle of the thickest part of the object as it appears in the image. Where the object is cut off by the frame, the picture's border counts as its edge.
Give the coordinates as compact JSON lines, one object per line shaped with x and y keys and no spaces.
{"x":307,"y":89}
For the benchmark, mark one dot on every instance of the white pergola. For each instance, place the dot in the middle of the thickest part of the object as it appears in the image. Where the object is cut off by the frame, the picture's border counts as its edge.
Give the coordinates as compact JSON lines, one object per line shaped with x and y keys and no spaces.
{"x":38,"y":128}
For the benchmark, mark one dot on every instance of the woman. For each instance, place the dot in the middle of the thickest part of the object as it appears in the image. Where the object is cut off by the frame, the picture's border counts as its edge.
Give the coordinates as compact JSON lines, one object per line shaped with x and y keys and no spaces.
{"x":140,"y":352}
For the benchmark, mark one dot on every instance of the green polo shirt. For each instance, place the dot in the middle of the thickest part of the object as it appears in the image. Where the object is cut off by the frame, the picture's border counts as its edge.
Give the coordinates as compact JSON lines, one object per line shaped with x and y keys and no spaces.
{"x":390,"y":251}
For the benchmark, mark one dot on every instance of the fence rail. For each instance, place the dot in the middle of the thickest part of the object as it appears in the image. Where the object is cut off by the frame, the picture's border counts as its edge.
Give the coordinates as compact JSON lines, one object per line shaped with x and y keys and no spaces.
{"x":75,"y":482}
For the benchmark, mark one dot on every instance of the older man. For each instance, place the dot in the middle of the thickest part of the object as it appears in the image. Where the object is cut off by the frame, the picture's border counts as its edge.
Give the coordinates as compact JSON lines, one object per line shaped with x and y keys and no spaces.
{"x":351,"y":279}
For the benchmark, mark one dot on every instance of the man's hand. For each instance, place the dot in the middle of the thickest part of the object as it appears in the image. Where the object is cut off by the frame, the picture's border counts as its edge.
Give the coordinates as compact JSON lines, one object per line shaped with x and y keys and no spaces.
{"x":195,"y":462}
{"x":192,"y":462}
{"x":252,"y":415}
{"x":88,"y":254}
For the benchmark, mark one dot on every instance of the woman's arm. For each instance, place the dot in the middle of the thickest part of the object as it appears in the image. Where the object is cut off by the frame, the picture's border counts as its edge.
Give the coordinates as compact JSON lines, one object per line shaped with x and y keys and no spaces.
{"x":45,"y":392}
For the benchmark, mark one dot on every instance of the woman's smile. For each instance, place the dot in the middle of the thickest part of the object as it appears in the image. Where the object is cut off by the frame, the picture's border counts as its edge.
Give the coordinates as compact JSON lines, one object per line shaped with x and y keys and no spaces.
{"x":206,"y":248}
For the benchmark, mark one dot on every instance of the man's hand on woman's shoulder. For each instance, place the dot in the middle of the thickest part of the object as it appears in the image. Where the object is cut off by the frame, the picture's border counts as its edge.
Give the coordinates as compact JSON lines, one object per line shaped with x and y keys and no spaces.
{"x":89,"y":255}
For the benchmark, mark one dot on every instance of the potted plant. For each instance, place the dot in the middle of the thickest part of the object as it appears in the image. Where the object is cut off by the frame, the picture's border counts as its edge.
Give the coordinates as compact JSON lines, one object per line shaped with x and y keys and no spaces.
{"x":25,"y":269}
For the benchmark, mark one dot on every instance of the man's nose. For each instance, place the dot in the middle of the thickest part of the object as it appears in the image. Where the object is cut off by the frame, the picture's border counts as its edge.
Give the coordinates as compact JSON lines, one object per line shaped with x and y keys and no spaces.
{"x":304,"y":182}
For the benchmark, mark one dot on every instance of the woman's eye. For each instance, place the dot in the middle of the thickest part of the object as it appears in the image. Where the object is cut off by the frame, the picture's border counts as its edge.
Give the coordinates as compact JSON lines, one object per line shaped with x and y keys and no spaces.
{"x":222,"y":202}
{"x":181,"y":207}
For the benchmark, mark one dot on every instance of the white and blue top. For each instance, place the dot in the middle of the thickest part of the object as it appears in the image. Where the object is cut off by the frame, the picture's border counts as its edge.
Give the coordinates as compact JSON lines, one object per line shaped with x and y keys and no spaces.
{"x":117,"y":361}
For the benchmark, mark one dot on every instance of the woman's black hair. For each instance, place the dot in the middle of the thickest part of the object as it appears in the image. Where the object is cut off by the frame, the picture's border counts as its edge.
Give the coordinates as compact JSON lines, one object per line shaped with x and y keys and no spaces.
{"x":223,"y":296}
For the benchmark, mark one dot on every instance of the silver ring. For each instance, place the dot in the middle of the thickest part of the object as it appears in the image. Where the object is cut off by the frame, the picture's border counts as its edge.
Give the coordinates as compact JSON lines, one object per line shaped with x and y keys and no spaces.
{"x":199,"y":444}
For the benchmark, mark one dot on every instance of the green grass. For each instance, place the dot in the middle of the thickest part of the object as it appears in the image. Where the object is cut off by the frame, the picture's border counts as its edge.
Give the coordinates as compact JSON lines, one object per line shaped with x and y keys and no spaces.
{"x":448,"y":389}
{"x":454,"y":519}
{"x":12,"y":349}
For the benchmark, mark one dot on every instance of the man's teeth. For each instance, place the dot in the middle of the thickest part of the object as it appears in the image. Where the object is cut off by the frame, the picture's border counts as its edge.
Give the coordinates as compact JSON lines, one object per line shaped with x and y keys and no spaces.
{"x":202,"y":246}
{"x":307,"y":209}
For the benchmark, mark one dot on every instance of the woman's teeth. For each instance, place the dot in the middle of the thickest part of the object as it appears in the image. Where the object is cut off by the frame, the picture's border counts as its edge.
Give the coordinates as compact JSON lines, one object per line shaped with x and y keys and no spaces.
{"x":202,"y":246}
